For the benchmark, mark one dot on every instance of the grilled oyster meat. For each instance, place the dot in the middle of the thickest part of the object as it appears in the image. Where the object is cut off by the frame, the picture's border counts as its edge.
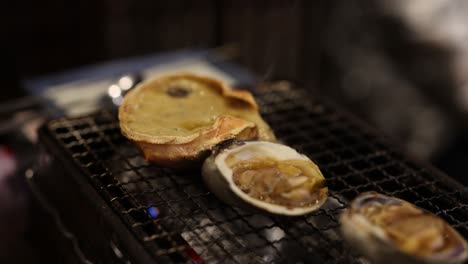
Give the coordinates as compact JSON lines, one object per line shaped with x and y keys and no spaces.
{"x":177,"y":119}
{"x":266,"y":176}
{"x":390,"y":230}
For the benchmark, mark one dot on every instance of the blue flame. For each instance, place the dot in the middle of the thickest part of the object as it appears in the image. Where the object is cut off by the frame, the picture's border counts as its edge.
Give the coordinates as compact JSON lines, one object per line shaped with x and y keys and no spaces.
{"x":153,"y":211}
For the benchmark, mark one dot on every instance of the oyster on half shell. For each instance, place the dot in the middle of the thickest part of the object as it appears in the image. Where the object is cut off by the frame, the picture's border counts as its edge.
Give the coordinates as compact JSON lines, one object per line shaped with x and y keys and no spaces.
{"x":389,"y":230}
{"x":267,"y":176}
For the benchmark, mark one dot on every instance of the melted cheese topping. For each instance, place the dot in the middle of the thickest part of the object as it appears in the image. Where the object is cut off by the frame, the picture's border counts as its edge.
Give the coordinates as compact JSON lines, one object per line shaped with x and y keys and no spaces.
{"x":183,"y":107}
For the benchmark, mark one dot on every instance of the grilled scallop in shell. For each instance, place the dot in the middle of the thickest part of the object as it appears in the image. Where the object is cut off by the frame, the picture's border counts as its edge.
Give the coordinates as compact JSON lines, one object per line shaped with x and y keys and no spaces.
{"x":177,"y":119}
{"x":389,"y":230}
{"x":266,"y":176}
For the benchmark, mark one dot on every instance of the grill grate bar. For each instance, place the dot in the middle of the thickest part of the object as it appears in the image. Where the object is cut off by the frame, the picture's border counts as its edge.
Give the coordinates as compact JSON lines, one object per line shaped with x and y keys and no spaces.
{"x":160,"y":231}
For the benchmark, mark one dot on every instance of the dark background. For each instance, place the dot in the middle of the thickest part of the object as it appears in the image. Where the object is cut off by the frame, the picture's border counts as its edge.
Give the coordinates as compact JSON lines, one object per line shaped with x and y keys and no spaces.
{"x":356,"y":53}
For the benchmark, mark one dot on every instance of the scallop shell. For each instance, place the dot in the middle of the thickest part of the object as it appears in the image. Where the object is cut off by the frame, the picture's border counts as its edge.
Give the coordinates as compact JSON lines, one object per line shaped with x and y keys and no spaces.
{"x":177,"y":119}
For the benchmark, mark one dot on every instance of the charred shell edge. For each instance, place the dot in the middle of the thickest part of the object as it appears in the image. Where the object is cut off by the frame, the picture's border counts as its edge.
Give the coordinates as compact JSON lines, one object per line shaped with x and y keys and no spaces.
{"x":225,"y":145}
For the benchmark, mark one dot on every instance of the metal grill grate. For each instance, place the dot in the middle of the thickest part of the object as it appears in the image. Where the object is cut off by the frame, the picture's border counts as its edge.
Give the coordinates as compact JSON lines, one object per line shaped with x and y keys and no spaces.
{"x":175,"y":217}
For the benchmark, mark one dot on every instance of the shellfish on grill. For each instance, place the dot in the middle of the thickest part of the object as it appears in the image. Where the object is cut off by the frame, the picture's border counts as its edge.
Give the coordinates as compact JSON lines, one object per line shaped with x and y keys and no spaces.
{"x":177,"y":119}
{"x":390,"y":230}
{"x":267,"y":176}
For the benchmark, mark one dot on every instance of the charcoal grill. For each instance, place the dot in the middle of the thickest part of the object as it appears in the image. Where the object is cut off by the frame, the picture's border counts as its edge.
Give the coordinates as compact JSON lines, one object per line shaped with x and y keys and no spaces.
{"x":130,"y":210}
